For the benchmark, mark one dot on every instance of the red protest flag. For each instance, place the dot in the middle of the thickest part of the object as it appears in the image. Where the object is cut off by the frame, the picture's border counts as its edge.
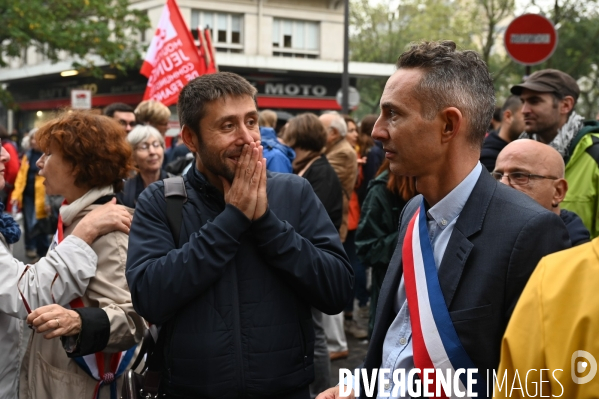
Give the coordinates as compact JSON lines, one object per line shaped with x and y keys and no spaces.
{"x":203,"y":50}
{"x":211,"y":67}
{"x":172,"y":59}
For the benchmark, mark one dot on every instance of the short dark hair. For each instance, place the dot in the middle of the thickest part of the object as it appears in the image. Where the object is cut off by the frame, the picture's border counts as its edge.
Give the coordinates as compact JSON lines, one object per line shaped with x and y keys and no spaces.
{"x":497,"y":114}
{"x":513,"y":103}
{"x":3,"y":132}
{"x":117,"y":107}
{"x":307,"y":132}
{"x":452,"y":78}
{"x":207,"y":88}
{"x":93,"y":144}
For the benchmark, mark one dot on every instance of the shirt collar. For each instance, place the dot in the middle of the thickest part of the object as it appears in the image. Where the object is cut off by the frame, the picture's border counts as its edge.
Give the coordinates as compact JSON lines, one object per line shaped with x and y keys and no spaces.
{"x":450,"y":207}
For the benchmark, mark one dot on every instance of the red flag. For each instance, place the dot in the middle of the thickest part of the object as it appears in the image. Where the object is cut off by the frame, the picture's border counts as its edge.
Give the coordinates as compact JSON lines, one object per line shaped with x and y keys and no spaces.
{"x":172,"y":59}
{"x":211,"y":67}
{"x":203,"y":50}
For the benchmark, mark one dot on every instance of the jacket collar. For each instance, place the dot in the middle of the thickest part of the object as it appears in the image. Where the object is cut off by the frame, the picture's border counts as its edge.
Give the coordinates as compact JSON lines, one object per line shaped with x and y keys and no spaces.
{"x":69,"y":212}
{"x":202,"y":186}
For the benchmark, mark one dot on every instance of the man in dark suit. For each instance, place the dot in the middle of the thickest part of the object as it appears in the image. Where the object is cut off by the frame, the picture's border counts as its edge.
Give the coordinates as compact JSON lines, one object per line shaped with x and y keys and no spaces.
{"x":486,"y":238}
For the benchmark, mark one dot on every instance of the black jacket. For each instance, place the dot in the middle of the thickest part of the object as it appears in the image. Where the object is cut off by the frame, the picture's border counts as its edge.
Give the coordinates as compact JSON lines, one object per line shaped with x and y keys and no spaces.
{"x":497,"y":241}
{"x":579,"y":234}
{"x":327,"y":187}
{"x":133,"y":188}
{"x":492,"y":146}
{"x":374,"y":160}
{"x":235,"y":299}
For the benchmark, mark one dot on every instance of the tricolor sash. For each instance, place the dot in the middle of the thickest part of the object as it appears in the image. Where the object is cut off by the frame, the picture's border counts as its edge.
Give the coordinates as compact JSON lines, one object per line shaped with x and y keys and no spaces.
{"x":94,"y":364}
{"x":435,"y":342}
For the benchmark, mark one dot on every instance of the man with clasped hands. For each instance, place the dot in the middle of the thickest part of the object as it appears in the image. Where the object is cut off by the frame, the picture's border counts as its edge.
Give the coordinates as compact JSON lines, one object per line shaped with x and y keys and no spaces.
{"x":257,"y":251}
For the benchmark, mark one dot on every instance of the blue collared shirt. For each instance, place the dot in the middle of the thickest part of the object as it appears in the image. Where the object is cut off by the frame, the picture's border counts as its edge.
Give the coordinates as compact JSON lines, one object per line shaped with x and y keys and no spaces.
{"x":441,"y":219}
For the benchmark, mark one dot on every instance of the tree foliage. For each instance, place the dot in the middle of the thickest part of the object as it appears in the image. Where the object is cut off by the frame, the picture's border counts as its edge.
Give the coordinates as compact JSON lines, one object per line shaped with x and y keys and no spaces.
{"x":381,"y":31}
{"x":80,"y":28}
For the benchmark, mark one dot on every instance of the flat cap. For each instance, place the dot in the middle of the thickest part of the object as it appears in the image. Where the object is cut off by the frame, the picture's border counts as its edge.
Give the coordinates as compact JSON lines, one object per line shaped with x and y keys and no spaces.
{"x":549,"y":81}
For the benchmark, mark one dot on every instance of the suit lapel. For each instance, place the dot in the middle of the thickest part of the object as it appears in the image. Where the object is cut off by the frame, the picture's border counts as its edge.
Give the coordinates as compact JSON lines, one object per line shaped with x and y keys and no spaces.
{"x":459,"y":246}
{"x":385,"y":313}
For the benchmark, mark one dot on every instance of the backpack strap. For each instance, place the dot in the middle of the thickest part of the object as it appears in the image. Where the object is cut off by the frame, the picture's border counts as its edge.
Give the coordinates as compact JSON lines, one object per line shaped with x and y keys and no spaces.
{"x":593,"y":150}
{"x":175,"y":196}
{"x":589,"y":127}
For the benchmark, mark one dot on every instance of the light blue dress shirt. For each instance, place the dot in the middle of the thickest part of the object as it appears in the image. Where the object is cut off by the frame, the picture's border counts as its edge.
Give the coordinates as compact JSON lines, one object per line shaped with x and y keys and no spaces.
{"x":441,"y":219}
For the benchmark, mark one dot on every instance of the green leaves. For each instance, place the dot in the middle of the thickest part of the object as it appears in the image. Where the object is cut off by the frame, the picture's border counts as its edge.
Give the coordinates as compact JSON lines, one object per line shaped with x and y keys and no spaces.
{"x":380,"y":32}
{"x":106,"y":28}
{"x":80,"y":28}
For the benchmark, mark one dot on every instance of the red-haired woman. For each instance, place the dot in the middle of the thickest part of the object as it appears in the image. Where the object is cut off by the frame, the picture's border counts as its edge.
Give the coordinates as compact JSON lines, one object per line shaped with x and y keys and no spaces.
{"x":61,"y":275}
{"x":86,"y":157}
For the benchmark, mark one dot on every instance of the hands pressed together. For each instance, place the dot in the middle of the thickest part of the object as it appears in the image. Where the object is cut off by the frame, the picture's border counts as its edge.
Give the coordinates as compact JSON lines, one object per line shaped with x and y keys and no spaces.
{"x":247,"y":192}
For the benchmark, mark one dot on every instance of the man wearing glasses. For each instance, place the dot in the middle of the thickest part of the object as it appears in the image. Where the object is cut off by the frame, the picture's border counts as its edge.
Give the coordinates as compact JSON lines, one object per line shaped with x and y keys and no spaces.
{"x":123,"y":114}
{"x":537,"y":170}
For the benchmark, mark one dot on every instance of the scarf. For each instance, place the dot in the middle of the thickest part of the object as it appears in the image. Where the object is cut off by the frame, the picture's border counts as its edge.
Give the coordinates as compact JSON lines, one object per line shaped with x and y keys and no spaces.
{"x":8,"y":227}
{"x":68,"y":212}
{"x":302,"y":159}
{"x":565,"y":135}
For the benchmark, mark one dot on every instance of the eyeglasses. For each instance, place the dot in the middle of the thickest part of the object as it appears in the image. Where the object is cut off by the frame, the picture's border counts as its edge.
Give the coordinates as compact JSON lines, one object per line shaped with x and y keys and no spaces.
{"x":146,"y":146}
{"x":519,"y":178}
{"x":125,"y":123}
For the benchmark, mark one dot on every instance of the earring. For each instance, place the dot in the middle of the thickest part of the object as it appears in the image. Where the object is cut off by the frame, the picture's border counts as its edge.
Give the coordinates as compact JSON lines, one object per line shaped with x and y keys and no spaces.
{"x":554,"y":205}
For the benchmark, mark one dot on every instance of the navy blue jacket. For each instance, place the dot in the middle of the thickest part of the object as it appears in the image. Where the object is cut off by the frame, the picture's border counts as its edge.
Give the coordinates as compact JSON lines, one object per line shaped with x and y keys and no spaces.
{"x":235,"y":299}
{"x":579,"y":234}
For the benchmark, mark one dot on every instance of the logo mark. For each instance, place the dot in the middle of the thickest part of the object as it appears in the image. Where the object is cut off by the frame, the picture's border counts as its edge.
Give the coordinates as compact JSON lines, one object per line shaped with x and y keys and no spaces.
{"x":582,"y":365}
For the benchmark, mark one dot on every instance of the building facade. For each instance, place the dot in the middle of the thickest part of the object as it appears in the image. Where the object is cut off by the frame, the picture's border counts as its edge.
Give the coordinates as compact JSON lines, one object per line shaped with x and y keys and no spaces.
{"x":291,"y":50}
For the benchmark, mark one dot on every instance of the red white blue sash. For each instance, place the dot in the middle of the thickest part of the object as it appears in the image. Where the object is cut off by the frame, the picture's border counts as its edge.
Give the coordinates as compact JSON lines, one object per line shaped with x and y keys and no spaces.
{"x":94,"y":364}
{"x":435,"y":342}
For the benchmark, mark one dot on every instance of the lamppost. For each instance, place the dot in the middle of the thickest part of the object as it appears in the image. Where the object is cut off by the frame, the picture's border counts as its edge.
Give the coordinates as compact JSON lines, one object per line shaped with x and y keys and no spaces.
{"x":345,"y":76}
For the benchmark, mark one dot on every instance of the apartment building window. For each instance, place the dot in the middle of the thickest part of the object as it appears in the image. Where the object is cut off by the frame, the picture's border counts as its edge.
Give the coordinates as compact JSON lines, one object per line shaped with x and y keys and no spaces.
{"x":225,"y":29}
{"x":292,"y":38}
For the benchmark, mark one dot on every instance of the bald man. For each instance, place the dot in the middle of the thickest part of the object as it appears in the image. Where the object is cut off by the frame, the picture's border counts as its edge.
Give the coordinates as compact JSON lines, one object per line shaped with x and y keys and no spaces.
{"x":537,"y":170}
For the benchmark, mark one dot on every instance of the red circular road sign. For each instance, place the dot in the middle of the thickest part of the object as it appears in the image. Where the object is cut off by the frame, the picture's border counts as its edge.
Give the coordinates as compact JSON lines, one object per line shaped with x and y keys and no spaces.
{"x":530,"y":39}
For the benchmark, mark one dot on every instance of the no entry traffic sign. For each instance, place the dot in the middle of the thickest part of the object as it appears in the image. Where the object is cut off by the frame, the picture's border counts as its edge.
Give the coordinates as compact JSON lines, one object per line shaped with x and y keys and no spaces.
{"x":530,"y":39}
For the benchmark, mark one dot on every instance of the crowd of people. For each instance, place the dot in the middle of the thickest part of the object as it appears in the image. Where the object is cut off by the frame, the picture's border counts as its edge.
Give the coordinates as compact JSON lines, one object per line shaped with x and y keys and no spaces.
{"x":249,"y":243}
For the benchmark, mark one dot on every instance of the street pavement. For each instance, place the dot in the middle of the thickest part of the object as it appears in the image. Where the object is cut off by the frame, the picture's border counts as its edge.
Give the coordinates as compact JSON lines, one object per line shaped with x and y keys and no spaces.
{"x":357,"y":352}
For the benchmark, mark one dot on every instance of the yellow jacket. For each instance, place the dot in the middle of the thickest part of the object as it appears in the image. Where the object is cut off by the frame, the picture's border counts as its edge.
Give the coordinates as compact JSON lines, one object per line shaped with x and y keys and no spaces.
{"x":40,"y":190}
{"x":556,"y":316}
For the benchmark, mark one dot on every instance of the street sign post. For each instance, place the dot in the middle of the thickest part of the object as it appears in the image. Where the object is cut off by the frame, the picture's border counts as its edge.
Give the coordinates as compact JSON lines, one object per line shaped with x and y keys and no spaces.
{"x":81,"y":99}
{"x":530,"y":39}
{"x":353,"y":98}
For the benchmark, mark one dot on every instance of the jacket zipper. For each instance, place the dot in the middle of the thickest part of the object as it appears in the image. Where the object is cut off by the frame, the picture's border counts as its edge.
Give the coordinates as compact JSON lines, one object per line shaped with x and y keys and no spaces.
{"x":237,"y":332}
{"x":303,"y":339}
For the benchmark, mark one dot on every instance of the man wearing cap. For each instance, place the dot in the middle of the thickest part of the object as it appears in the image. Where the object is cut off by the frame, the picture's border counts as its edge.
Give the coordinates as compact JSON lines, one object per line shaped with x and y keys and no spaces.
{"x":548,"y":99}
